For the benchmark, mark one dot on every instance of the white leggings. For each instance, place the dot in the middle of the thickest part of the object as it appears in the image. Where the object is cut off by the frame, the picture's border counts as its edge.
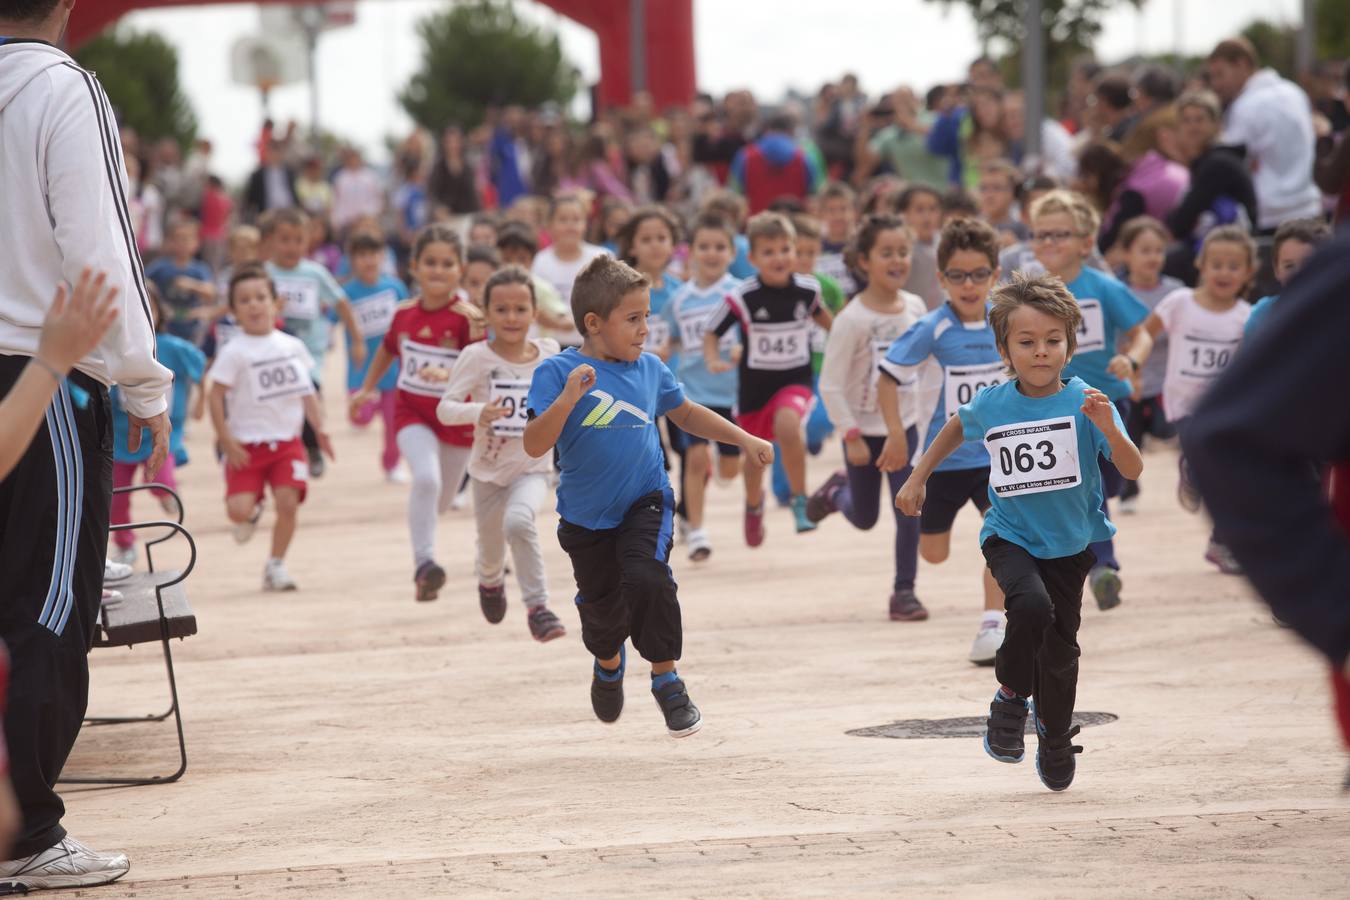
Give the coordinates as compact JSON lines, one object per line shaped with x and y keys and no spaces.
{"x":505,"y":515}
{"x":437,"y":470}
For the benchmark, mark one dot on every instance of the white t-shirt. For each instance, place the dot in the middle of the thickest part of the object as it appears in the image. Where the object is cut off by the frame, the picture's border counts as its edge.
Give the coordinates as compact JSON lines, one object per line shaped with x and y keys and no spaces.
{"x":561,"y":273}
{"x":859,"y":339}
{"x":1200,"y":345}
{"x":498,"y":454}
{"x":268,"y":378}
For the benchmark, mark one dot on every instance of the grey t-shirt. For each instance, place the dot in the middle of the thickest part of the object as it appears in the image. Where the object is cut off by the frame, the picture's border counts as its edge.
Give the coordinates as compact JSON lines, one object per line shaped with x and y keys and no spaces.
{"x":923,"y":274}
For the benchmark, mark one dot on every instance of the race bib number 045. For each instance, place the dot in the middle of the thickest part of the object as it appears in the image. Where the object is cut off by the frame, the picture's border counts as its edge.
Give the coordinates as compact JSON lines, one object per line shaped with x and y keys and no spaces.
{"x":423,"y":368}
{"x":780,"y":345}
{"x":512,"y":394}
{"x":1033,"y":457}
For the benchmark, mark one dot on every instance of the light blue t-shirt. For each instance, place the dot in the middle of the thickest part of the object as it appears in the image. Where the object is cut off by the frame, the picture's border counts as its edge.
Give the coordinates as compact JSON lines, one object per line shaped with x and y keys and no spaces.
{"x":740,"y":266}
{"x":609,"y":451}
{"x":1260,"y":311}
{"x":373,"y":304}
{"x":1109,"y":309}
{"x":307,"y":293}
{"x":970,"y":362}
{"x":659,"y":327}
{"x":1044,"y":484}
{"x":689,"y":311}
{"x":187,"y":364}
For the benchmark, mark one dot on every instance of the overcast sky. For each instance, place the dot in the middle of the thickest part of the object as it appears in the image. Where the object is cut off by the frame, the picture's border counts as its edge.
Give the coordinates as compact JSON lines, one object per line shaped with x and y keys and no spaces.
{"x":765,"y":45}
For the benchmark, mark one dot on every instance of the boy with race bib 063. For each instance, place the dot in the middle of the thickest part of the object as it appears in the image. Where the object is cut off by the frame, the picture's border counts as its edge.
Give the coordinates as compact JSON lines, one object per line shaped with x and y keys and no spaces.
{"x":1043,"y":430}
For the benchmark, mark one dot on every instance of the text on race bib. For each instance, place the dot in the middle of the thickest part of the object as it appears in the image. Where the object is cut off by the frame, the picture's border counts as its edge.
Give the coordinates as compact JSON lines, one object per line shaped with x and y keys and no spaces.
{"x":423,"y":368}
{"x":778,"y":346}
{"x":1092,"y":333}
{"x":961,"y":383}
{"x":274,"y":379}
{"x":658,"y":334}
{"x":374,"y":314}
{"x":694,"y":325}
{"x":299,"y":298}
{"x":1033,"y":457}
{"x":511,"y":393}
{"x":1202,"y":358}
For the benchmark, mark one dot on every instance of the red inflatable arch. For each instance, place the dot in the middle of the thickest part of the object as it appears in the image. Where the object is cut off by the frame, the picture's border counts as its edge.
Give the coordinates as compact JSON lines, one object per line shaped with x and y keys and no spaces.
{"x":668,"y":29}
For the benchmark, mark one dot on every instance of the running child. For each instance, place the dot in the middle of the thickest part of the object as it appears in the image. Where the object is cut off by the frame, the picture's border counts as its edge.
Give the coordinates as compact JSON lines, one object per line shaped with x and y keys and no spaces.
{"x":568,"y":254}
{"x":1295,"y":241}
{"x":712,"y":247}
{"x":263,"y":376}
{"x":1064,"y":230}
{"x":774,"y":311}
{"x":1143,"y":241}
{"x":921,"y":208}
{"x":518,"y":244}
{"x":187,"y":364}
{"x":375,"y":298}
{"x":508,"y":486}
{"x":599,"y":406}
{"x":858,"y":340}
{"x":647,"y":243}
{"x":425,"y":338}
{"x":839,"y":217}
{"x":957,"y":338}
{"x":308,"y":293}
{"x":731,"y":206}
{"x":1205,"y":328}
{"x":242,"y":248}
{"x":184,"y":281}
{"x":1043,"y":431}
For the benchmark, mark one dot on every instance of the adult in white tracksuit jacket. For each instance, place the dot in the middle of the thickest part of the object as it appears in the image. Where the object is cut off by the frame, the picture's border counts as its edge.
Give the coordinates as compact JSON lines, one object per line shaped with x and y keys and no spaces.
{"x":63,"y":207}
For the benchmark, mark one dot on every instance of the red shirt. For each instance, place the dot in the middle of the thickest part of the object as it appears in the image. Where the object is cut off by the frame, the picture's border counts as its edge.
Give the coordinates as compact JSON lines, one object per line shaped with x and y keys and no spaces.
{"x":423,"y":339}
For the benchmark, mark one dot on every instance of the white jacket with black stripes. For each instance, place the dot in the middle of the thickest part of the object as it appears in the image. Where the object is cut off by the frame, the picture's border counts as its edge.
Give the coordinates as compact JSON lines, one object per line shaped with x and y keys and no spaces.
{"x":63,"y":206}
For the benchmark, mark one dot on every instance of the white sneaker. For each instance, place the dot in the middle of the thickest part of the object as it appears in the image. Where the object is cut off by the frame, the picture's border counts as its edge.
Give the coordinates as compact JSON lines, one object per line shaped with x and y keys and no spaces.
{"x":461,"y":500}
{"x":65,"y":864}
{"x":110,"y":597}
{"x":244,"y":530}
{"x":276,"y":578}
{"x":987,"y":641}
{"x":115,"y":571}
{"x":124,"y":555}
{"x":683,"y":528}
{"x":699,"y":547}
{"x":396,"y":476}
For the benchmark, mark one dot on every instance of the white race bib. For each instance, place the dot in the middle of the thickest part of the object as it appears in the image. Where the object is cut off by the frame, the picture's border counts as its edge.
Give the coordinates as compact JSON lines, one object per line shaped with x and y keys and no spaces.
{"x":511,"y":393}
{"x":1033,"y":457}
{"x":694,"y":326}
{"x":779,"y":346}
{"x":869,"y":398}
{"x":960,"y":384}
{"x":299,"y":298}
{"x":1092,"y":333}
{"x":414,"y":359}
{"x":658,"y":334}
{"x":1201,"y":358}
{"x":274,"y":379}
{"x":374,"y":314}
{"x":819,"y":337}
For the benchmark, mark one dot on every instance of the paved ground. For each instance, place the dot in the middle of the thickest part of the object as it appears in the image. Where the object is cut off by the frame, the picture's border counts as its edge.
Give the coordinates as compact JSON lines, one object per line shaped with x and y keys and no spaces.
{"x":344,"y":741}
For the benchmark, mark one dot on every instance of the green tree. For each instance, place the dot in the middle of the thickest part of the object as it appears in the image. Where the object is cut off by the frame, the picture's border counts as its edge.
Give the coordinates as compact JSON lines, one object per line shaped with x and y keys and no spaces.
{"x":480,"y":54}
{"x":139,"y":70}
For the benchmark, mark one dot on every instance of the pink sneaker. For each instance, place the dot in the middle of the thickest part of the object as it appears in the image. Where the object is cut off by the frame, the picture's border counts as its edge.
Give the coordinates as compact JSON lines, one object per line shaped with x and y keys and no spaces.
{"x":754,"y":525}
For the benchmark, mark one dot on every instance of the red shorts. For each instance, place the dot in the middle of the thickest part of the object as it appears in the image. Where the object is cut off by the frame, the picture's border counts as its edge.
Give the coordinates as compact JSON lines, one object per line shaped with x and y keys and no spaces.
{"x":278,"y":465}
{"x":759,"y":422}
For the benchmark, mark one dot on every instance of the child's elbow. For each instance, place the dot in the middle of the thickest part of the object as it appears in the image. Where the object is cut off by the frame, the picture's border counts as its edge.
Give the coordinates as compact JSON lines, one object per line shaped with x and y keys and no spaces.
{"x":533,"y":446}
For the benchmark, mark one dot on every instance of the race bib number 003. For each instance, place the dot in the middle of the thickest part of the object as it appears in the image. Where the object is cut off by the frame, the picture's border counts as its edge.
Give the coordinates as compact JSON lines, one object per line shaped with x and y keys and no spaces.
{"x":779,"y":346}
{"x":512,"y":394}
{"x":273,"y":379}
{"x":374,"y":314}
{"x":299,"y":298}
{"x":962,"y":383}
{"x":423,"y":368}
{"x":1033,"y":457}
{"x":1092,"y":333}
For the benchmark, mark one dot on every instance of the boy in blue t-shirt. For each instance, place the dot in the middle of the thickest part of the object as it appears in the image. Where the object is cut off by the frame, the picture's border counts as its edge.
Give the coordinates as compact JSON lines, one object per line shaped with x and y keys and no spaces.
{"x":185,"y":282}
{"x":375,"y":298}
{"x":598,"y":405}
{"x":1064,"y":236}
{"x":1043,"y":431}
{"x":957,"y":336}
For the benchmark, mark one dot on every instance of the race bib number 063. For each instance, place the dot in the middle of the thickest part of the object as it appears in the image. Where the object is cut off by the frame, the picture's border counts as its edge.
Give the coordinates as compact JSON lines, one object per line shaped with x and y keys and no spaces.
{"x":1033,"y":457}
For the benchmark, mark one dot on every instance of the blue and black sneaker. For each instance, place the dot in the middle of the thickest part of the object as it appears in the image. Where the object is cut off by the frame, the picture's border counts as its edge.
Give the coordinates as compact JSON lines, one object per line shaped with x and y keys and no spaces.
{"x":682,"y":716}
{"x":1004,"y":729}
{"x":607,"y":690}
{"x":1055,"y":762}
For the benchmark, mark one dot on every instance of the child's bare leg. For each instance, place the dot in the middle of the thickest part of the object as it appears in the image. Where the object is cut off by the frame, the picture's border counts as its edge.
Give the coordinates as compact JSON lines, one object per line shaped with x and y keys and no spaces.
{"x":993,"y":595}
{"x":728,"y":466}
{"x":935,"y":548}
{"x":239,"y":507}
{"x":288,"y":505}
{"x":787,"y":431}
{"x":696,"y":466}
{"x":754,"y":482}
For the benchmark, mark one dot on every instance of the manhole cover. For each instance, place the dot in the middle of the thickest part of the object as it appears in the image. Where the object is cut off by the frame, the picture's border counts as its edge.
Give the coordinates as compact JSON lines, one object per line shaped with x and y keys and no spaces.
{"x":967,"y":727}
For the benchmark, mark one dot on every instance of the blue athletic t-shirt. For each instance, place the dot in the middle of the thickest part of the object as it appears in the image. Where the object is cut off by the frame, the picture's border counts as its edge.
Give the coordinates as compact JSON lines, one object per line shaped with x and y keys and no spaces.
{"x":659,"y":327}
{"x":970,"y":363}
{"x":1263,"y":308}
{"x":187,"y":364}
{"x":1109,"y":308}
{"x":689,"y":312}
{"x":609,"y":451}
{"x":373,"y":305}
{"x":740,"y":266}
{"x":1044,"y":484}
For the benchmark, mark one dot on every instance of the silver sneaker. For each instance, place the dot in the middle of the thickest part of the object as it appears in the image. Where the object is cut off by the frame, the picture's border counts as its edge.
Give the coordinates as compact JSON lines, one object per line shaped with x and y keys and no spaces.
{"x":987,"y":641}
{"x":115,"y":571}
{"x":125,"y":556}
{"x":276,"y":578}
{"x":244,"y":530}
{"x":65,"y":864}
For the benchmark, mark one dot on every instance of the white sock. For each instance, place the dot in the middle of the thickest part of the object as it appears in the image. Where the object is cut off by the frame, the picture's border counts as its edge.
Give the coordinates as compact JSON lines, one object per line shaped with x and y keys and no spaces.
{"x":991,"y":615}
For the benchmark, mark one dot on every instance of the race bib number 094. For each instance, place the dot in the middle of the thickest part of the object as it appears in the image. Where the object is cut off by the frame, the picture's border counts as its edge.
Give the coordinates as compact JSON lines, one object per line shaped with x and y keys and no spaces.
{"x":1033,"y":457}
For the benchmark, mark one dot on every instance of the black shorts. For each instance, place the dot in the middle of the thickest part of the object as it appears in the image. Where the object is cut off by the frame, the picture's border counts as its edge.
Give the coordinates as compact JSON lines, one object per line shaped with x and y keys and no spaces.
{"x":681,"y":440}
{"x":947,"y":492}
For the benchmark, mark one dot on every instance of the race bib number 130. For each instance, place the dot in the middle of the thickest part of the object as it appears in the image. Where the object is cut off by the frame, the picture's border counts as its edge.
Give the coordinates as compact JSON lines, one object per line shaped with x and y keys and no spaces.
{"x":1033,"y":457}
